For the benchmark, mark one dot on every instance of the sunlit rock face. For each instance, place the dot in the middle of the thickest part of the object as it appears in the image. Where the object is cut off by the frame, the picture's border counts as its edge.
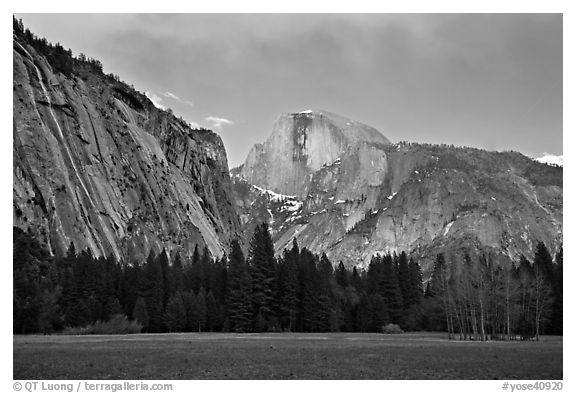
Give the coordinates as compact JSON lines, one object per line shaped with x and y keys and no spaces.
{"x":302,"y":144}
{"x":350,"y":193}
{"x":97,"y":164}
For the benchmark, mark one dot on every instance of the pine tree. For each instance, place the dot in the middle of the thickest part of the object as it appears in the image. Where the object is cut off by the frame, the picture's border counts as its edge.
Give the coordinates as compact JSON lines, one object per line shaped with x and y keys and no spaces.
{"x":438,"y":289}
{"x":323,"y":310}
{"x":70,"y":254}
{"x":195,"y":272}
{"x":200,"y":310}
{"x":113,"y":307}
{"x":69,"y":290}
{"x":404,"y":279}
{"x":287,"y":287}
{"x":414,"y":289}
{"x":81,"y":313}
{"x":213,"y":322}
{"x":49,"y":316}
{"x":413,"y":298}
{"x":390,"y":291}
{"x":543,"y":261}
{"x":131,"y":286}
{"x":380,"y":312}
{"x":140,"y":313}
{"x":437,"y":280}
{"x":177,"y":273}
{"x":364,"y":314}
{"x":218,"y":279}
{"x":357,"y":281}
{"x":325,"y":268}
{"x":374,"y":274}
{"x":207,"y":264}
{"x":238,"y":302}
{"x":153,"y":292}
{"x":342,"y":275}
{"x":262,"y":272}
{"x":175,"y":316}
{"x":189,"y":299}
{"x":27,"y":276}
{"x":307,"y":291}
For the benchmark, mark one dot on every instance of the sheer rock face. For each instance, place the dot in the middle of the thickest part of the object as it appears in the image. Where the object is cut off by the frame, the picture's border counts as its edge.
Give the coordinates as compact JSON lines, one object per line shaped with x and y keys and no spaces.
{"x":300,"y":145}
{"x":370,"y":196}
{"x":97,"y":164}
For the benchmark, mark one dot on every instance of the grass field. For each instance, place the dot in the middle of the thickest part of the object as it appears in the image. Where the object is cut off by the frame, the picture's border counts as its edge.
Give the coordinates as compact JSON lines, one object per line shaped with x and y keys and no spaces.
{"x":282,"y":356}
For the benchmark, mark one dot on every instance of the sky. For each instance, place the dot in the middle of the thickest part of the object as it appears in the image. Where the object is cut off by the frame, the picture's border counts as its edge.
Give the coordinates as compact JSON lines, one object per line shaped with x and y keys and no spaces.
{"x":492,"y":81}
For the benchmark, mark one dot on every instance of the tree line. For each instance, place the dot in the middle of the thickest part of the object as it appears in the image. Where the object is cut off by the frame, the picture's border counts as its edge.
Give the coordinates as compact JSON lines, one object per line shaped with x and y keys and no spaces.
{"x":297,"y":291}
{"x":484,"y":300}
{"x":61,"y":60}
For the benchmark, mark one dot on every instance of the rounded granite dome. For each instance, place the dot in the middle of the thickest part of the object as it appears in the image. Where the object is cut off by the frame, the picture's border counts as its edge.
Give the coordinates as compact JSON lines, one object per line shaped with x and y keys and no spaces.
{"x":353,"y":130}
{"x":301,"y":144}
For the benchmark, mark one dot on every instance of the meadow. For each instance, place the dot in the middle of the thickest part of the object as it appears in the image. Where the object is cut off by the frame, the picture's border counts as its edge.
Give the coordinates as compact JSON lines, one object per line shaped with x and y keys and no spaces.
{"x":282,"y":356}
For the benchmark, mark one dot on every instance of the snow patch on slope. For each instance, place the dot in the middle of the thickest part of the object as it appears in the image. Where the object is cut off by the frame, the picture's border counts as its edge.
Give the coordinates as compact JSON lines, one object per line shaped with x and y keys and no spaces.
{"x":291,"y":206}
{"x":289,"y":202}
{"x":273,"y":196}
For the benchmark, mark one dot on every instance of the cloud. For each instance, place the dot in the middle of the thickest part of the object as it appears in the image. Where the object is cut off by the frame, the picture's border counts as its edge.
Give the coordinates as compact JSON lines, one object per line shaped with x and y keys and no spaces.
{"x":159,"y":99}
{"x":218,"y":122}
{"x":551,"y":159}
{"x":156,"y":100}
{"x":171,"y":95}
{"x":174,"y":97}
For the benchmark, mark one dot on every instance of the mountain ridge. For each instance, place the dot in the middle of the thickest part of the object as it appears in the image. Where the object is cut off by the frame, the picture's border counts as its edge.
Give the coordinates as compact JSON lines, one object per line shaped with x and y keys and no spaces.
{"x":418,"y":198}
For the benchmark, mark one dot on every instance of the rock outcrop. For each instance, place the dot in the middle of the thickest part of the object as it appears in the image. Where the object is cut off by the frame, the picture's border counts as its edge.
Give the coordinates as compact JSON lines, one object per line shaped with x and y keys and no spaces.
{"x":97,"y":164}
{"x":362,"y":195}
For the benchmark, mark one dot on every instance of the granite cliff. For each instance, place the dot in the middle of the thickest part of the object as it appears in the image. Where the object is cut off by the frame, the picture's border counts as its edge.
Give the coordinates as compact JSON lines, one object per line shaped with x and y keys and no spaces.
{"x":97,"y":164}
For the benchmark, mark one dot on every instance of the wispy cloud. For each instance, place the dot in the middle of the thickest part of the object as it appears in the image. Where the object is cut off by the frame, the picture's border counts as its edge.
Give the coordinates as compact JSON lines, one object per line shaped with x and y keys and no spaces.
{"x":159,"y":100}
{"x":218,"y":122}
{"x":156,"y":100}
{"x":171,"y":95}
{"x":174,"y":97}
